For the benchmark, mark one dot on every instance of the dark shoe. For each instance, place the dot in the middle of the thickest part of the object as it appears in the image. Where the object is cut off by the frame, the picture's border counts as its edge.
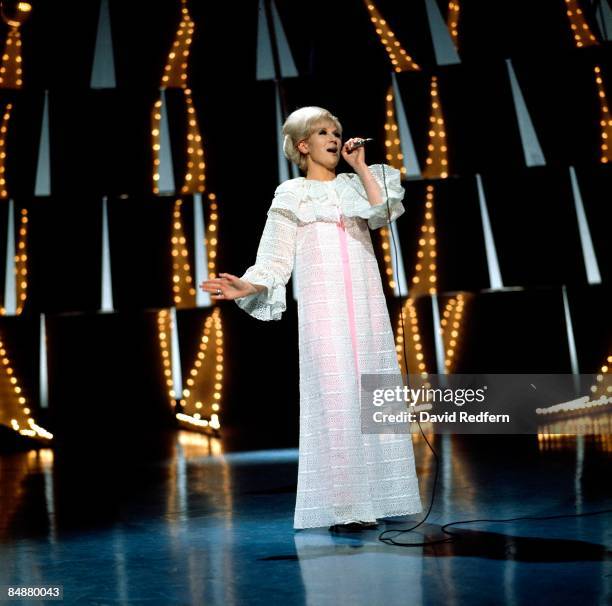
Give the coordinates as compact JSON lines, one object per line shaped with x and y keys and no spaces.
{"x":353,"y":526}
{"x":348,"y":527}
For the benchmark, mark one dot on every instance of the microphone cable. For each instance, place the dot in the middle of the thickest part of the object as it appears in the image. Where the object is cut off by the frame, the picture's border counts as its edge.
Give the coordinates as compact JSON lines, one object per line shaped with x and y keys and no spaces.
{"x":391,"y":541}
{"x":452,"y":537}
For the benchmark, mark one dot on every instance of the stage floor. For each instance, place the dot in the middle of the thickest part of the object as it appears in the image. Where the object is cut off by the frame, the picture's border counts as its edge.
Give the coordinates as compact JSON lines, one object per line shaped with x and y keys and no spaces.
{"x":198,"y":520}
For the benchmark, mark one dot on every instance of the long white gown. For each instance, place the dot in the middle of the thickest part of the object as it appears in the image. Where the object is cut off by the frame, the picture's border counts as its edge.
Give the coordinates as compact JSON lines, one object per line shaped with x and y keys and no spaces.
{"x":319,"y":230}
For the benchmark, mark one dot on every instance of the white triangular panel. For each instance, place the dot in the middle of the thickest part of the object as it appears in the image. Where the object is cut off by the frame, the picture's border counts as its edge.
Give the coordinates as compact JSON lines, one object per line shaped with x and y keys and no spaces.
{"x":103,"y":71}
{"x":200,"y":254}
{"x":10,"y":284}
{"x":571,"y":342}
{"x":410,"y":160}
{"x":444,"y":47}
{"x":397,"y":263}
{"x":287,"y":64}
{"x":177,"y":372}
{"x":43,"y":166}
{"x":586,"y":242}
{"x":107,"y":281}
{"x":495,"y":278}
{"x":166,"y":170}
{"x":534,"y":156}
{"x":603,"y":15}
{"x":438,"y":339}
{"x":265,"y":57}
{"x":265,"y":62}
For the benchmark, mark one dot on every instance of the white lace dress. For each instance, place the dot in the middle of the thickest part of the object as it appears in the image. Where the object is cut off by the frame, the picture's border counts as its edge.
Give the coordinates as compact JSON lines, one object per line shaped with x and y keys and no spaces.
{"x":320,"y":231}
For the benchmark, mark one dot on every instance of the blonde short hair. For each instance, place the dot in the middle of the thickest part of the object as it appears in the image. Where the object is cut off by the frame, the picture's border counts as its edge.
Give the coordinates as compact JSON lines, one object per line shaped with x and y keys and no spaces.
{"x":300,"y":125}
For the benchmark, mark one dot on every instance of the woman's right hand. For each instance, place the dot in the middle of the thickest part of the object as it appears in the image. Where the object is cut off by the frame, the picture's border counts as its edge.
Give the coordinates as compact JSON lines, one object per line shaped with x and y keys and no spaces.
{"x":231,"y":287}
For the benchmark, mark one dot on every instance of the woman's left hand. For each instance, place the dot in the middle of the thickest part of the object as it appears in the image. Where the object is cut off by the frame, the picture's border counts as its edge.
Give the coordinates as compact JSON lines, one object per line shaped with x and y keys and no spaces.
{"x":354,"y":157}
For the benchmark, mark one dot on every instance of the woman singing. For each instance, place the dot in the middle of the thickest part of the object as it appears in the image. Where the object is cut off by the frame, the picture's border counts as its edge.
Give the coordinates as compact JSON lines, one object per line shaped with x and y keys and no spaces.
{"x":318,"y":229}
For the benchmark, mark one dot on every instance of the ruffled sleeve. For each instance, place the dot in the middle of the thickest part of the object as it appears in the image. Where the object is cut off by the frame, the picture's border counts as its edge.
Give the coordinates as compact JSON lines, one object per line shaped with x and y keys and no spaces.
{"x":274,"y":261}
{"x":355,"y":201}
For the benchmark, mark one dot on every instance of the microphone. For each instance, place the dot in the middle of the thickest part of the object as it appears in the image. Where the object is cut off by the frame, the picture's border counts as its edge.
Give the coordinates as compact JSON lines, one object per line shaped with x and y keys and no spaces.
{"x":361,"y":142}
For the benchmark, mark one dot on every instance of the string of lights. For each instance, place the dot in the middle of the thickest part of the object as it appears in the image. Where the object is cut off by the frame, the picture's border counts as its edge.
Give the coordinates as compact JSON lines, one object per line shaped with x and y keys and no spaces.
{"x":195,"y":176}
{"x":11,"y":72}
{"x":164,"y":330}
{"x":416,"y":358}
{"x":201,"y":394}
{"x":603,"y":387}
{"x":398,"y":56}
{"x":21,"y":262}
{"x":605,"y":120}
{"x":450,"y":325}
{"x":393,"y":149}
{"x":156,"y":142}
{"x":437,"y":149}
{"x":15,"y":411}
{"x":203,"y":390}
{"x":580,"y":28}
{"x":556,"y":437}
{"x":424,"y":278}
{"x":183,"y":290}
{"x":452,"y":21}
{"x":175,"y":75}
{"x":211,"y":238}
{"x":6,"y":117}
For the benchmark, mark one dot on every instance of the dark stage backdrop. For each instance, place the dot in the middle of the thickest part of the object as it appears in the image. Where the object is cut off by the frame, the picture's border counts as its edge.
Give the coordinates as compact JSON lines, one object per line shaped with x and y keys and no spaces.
{"x":100,"y":145}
